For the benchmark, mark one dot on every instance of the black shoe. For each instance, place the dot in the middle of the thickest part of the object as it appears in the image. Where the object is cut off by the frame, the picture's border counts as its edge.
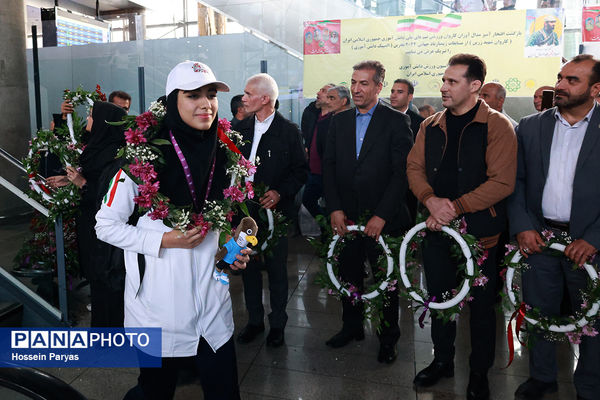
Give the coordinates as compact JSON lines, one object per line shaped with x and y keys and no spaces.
{"x":387,"y":353}
{"x":275,"y":337}
{"x":249,"y":333}
{"x":433,"y":373}
{"x":533,"y":389}
{"x":479,"y":387}
{"x":345,"y":336}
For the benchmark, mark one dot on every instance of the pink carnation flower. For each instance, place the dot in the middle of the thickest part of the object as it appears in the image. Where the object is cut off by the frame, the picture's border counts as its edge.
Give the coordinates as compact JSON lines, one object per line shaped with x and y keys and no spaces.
{"x":147,"y":193}
{"x":134,"y":136}
{"x":149,"y":189}
{"x":161,"y":211}
{"x":198,"y":221}
{"x":229,"y":216}
{"x":574,"y":338}
{"x":547,"y":234}
{"x":392,"y":285}
{"x":509,"y":248}
{"x":224,"y":124}
{"x":143,"y":201}
{"x":483,"y":257}
{"x":481,"y":280}
{"x":589,"y":331}
{"x":144,"y":171}
{"x":247,"y":165}
{"x":249,"y":190}
{"x":234,"y":193}
{"x":462,"y":226}
{"x":145,"y":120}
{"x":503,"y":274}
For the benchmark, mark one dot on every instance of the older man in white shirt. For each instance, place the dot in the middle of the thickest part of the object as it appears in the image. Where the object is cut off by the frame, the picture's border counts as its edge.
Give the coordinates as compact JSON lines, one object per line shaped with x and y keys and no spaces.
{"x":283,"y":169}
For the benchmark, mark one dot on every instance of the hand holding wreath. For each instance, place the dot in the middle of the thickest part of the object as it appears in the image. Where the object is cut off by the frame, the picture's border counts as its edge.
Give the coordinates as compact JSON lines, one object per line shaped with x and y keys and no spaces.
{"x":530,"y":242}
{"x":580,"y":251}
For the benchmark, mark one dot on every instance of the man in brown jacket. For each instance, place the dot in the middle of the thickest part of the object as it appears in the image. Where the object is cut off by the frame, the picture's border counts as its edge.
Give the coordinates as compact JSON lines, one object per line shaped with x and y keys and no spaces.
{"x":463,"y":164}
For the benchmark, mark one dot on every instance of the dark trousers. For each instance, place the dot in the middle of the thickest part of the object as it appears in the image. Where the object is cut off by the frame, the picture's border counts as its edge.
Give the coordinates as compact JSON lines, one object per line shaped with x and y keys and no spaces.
{"x":441,"y":275}
{"x":543,"y":285}
{"x":276,"y":267}
{"x":313,"y":191}
{"x":217,"y":372}
{"x":108,"y":306}
{"x":352,"y":270}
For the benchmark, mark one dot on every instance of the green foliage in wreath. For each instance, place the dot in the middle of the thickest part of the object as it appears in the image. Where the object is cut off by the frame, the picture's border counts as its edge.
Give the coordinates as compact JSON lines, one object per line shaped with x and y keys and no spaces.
{"x":372,"y":308}
{"x":588,"y":297}
{"x":414,"y":263}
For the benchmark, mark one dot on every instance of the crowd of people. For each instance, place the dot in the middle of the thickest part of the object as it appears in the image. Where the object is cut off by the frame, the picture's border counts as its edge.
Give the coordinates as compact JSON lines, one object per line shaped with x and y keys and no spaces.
{"x":357,"y":157}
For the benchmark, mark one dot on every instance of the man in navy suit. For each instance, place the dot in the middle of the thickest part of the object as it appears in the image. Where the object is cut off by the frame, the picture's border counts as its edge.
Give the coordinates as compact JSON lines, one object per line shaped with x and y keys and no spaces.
{"x":557,"y":189}
{"x":364,"y":173}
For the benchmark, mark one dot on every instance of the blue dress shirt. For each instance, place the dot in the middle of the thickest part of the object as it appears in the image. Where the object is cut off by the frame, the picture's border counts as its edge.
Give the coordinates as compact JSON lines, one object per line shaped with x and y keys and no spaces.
{"x":362,"y":123}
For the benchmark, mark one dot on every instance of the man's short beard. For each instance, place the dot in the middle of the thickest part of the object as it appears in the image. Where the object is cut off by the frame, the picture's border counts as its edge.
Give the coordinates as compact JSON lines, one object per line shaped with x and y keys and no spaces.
{"x":572,"y":102}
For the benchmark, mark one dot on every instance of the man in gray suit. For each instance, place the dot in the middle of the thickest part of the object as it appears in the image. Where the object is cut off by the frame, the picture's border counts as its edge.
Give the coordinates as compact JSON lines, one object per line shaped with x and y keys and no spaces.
{"x":556,"y":189}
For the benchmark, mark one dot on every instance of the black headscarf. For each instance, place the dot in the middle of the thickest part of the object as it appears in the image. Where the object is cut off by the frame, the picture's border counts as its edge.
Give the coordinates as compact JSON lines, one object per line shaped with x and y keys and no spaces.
{"x":198,"y":147}
{"x":105,"y":140}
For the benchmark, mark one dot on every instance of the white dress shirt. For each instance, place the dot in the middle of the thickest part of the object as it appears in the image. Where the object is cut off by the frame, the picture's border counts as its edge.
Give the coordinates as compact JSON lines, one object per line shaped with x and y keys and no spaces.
{"x":259,"y":129}
{"x":558,"y":190}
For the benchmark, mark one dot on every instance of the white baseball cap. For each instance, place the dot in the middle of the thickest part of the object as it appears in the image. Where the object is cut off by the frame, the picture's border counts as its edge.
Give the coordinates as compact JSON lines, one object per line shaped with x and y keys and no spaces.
{"x":190,"y":75}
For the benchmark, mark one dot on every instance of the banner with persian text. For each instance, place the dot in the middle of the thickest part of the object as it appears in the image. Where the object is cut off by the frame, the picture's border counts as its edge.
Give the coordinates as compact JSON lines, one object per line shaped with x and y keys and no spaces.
{"x":522,"y":48}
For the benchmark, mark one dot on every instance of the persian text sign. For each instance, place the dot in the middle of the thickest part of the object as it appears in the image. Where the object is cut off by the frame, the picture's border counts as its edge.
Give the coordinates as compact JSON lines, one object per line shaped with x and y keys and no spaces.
{"x":80,"y":347}
{"x":418,"y":48}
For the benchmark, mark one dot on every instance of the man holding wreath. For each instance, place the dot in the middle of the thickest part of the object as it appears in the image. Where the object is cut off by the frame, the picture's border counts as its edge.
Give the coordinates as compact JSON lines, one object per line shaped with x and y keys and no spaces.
{"x":463,"y":163}
{"x":364,"y":176}
{"x":557,"y":189}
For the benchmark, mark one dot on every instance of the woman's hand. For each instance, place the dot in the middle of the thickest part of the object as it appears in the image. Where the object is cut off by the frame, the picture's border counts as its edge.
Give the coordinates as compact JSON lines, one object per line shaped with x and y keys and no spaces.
{"x":75,"y":177}
{"x":242,"y":259}
{"x":182,"y":240}
{"x":57,"y":181}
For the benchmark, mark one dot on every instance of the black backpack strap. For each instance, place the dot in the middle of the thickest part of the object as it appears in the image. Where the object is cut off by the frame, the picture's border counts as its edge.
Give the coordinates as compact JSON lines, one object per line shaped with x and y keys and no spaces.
{"x":142,"y":269}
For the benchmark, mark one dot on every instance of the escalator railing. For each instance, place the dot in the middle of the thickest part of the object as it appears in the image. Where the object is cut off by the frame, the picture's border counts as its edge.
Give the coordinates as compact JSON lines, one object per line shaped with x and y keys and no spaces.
{"x":18,"y":289}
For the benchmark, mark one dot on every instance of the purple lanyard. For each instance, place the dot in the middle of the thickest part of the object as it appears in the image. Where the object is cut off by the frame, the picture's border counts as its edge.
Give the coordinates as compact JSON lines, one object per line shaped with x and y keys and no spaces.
{"x":188,"y":173}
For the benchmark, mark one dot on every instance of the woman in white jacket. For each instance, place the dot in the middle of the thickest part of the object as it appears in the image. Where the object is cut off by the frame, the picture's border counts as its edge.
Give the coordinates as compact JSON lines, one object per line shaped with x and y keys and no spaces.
{"x":175,"y":290}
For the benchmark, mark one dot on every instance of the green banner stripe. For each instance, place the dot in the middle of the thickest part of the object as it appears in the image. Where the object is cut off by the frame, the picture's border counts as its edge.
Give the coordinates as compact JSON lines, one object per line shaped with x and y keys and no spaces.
{"x":436,"y":20}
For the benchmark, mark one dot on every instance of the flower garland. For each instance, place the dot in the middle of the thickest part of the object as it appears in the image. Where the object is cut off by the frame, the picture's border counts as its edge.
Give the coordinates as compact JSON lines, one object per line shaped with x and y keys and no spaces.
{"x":39,"y":252}
{"x":571,"y":328}
{"x":62,"y":200}
{"x":385,"y":279}
{"x":65,"y":143}
{"x":80,"y":97}
{"x":276,"y":222}
{"x":143,"y":156}
{"x":452,"y":302}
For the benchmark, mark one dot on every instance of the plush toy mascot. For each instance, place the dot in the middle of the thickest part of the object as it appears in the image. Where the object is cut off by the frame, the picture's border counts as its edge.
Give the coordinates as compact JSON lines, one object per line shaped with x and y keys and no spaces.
{"x":244,"y":234}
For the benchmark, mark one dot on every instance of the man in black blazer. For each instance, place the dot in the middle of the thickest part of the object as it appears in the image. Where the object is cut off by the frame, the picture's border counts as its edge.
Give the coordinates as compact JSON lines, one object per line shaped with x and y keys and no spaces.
{"x":557,"y":189}
{"x":401,"y":95}
{"x":282,"y":167}
{"x":364,"y":171}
